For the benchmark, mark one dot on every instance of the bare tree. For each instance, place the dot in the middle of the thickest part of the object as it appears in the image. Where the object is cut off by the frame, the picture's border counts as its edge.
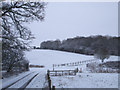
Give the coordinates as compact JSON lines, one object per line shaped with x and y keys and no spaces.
{"x":14,"y":14}
{"x":102,"y":53}
{"x":15,"y":36}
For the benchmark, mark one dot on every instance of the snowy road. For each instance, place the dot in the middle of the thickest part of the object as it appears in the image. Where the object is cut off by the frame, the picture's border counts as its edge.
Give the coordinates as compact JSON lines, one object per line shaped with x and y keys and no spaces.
{"x":32,"y":79}
{"x":39,"y":81}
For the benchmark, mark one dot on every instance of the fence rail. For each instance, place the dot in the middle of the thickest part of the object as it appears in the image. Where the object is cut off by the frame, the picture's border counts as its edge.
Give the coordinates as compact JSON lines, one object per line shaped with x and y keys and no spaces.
{"x":62,"y":72}
{"x":74,"y":63}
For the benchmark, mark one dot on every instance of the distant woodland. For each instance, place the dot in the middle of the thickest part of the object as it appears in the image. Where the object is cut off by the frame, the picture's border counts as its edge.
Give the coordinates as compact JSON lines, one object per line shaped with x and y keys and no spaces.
{"x":85,"y":45}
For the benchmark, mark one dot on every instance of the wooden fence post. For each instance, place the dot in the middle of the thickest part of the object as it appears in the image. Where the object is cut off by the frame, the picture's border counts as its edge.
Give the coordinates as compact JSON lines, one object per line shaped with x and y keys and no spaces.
{"x":49,"y":81}
{"x":48,"y":76}
{"x":53,"y":87}
{"x":53,"y":67}
{"x":62,"y":73}
{"x":80,"y":70}
{"x":55,"y":73}
{"x":87,"y":65}
{"x":69,"y":72}
{"x":77,"y":70}
{"x":48,"y":72}
{"x":73,"y":64}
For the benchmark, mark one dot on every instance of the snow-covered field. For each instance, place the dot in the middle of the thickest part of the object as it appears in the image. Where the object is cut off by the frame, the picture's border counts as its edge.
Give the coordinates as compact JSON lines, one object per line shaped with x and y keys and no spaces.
{"x":86,"y":80}
{"x":50,"y":57}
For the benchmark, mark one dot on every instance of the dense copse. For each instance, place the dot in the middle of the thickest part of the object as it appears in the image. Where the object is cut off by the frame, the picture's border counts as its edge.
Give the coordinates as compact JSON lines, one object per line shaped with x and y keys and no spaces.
{"x":85,"y":45}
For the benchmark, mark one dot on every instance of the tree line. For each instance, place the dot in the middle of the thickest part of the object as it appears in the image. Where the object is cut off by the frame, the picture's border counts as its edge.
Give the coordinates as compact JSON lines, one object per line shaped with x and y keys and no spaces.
{"x":85,"y":45}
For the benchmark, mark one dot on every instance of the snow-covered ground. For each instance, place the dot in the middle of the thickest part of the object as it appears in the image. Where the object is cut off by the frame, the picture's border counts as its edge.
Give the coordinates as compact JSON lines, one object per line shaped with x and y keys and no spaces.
{"x":86,"y":80}
{"x":40,"y":80}
{"x":81,"y":80}
{"x":50,"y":57}
{"x":21,"y":79}
{"x":7,"y":81}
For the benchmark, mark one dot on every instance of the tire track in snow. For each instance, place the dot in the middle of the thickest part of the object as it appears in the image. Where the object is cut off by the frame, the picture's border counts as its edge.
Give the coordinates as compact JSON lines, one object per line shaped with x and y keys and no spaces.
{"x":16,"y":81}
{"x":38,"y":81}
{"x":27,"y":83}
{"x":23,"y":82}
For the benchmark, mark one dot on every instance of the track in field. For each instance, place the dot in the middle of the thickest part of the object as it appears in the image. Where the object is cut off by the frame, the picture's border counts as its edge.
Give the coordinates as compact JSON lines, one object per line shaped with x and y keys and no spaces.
{"x":24,"y":83}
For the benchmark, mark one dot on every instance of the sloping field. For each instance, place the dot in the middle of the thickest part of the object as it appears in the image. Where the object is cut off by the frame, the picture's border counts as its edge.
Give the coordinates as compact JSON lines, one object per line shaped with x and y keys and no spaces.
{"x":49,"y":57}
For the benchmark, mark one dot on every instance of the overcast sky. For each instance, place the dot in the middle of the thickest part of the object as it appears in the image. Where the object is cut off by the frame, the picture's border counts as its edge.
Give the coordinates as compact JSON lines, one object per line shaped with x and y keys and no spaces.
{"x":71,"y":19}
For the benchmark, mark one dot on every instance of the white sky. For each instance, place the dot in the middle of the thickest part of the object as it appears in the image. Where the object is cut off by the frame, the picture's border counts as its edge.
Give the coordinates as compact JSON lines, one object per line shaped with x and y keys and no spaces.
{"x":70,"y":19}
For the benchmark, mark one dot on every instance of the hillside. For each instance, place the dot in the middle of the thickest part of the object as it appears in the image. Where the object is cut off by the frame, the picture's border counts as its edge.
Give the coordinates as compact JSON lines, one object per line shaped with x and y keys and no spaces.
{"x":49,"y":57}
